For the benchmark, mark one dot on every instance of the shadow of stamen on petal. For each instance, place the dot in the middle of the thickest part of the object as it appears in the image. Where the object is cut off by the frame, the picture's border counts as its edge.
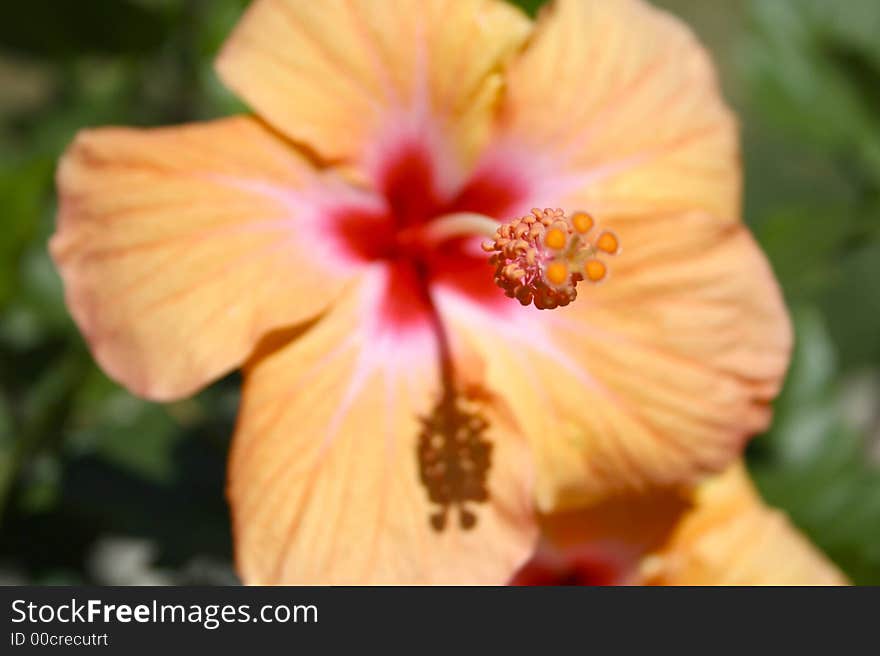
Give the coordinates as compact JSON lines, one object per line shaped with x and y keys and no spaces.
{"x":454,"y":458}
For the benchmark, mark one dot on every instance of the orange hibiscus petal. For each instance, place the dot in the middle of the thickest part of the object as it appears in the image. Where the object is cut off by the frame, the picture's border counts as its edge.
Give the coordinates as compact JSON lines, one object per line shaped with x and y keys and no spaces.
{"x":721,"y":533}
{"x":655,"y":377}
{"x":630,"y":524}
{"x":615,"y":105}
{"x":181,"y":247}
{"x":732,"y":538}
{"x":324,"y":477}
{"x":348,"y":76}
{"x":603,"y":544}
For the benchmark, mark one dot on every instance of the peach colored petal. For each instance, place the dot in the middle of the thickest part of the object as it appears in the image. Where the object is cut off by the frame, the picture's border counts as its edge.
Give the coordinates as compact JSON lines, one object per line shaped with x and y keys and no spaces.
{"x":347,"y":77}
{"x":603,"y":544}
{"x":719,"y":533}
{"x":653,"y":378}
{"x":324,"y":477}
{"x":631,"y":524}
{"x":732,"y":538}
{"x":614,"y":107}
{"x":181,"y":247}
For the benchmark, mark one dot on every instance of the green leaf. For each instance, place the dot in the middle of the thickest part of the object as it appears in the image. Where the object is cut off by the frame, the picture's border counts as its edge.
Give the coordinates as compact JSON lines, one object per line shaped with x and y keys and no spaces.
{"x":135,"y":435}
{"x":23,"y":187}
{"x":7,"y":445}
{"x":50,"y":28}
{"x":853,"y":306}
{"x":809,"y":77}
{"x":41,"y":484}
{"x":820,"y":235}
{"x":531,"y":7}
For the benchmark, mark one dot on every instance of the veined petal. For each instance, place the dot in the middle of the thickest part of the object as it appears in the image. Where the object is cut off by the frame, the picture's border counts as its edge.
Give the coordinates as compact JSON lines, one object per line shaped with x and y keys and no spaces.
{"x":654,"y":378}
{"x":732,"y":538}
{"x":348,"y":77}
{"x":324,"y":473}
{"x":180,"y":248}
{"x":615,"y":104}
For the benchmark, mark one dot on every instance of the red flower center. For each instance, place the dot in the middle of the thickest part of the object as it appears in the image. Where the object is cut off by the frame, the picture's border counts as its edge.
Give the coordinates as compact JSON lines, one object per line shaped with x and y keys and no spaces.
{"x":409,"y":184}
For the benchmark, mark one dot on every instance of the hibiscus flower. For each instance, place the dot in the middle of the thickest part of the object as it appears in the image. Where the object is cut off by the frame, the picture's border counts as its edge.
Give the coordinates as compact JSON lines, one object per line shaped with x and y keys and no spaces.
{"x":401,"y":417}
{"x":720,"y":533}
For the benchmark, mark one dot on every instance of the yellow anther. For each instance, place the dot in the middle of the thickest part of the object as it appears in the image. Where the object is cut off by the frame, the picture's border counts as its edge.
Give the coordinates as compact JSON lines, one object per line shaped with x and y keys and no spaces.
{"x":582,"y":222}
{"x":608,"y":243}
{"x":555,"y":239}
{"x":595,"y":270}
{"x":557,"y":272}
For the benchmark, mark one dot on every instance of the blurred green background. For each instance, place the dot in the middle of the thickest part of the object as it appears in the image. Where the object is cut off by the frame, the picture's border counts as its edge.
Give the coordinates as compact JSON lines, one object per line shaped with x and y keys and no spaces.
{"x":98,"y":486}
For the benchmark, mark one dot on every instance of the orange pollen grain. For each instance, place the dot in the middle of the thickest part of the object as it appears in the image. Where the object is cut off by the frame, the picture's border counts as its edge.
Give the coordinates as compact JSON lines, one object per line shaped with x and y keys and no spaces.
{"x":557,"y":272}
{"x":555,"y":239}
{"x":608,"y":243}
{"x":582,"y":222}
{"x":595,"y":270}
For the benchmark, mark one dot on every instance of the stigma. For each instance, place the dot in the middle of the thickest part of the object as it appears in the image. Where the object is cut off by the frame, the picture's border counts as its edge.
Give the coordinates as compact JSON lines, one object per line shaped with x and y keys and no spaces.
{"x":541,"y":257}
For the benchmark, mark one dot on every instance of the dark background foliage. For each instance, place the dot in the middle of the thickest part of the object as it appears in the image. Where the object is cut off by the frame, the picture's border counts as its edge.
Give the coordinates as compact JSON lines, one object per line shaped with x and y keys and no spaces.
{"x":99,"y":486}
